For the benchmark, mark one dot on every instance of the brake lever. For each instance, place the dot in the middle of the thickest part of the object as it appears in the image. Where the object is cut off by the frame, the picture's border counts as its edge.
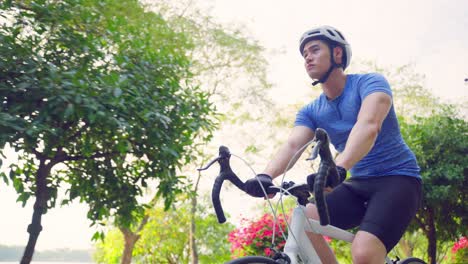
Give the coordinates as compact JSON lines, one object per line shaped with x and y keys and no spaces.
{"x":321,"y":137}
{"x":209,"y":164}
{"x":225,"y":174}
{"x":315,"y":150}
{"x":223,"y":153}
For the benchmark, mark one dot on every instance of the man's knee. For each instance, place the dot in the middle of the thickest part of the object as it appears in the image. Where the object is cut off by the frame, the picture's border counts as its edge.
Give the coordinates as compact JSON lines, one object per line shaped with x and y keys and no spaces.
{"x":361,"y":254}
{"x":367,"y":248}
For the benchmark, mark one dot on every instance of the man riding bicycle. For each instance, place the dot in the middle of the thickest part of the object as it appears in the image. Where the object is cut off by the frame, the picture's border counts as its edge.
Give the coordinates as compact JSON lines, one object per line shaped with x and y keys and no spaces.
{"x":384,"y":190}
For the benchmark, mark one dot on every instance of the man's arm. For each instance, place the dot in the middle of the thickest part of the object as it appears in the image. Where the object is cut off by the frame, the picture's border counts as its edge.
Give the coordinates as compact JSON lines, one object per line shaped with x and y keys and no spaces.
{"x":374,"y":109}
{"x":299,"y":136}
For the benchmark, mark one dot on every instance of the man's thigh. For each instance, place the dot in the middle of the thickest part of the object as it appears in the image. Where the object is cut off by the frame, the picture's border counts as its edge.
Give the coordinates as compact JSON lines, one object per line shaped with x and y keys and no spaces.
{"x":391,"y":208}
{"x":345,"y":207}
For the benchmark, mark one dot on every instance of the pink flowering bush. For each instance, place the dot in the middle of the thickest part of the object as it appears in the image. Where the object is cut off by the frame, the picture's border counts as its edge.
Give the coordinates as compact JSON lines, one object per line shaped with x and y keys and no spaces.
{"x":460,"y":251}
{"x":255,"y":237}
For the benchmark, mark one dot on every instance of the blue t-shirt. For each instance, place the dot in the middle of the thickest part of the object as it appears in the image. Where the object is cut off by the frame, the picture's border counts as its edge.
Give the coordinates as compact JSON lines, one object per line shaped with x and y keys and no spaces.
{"x":390,"y":155}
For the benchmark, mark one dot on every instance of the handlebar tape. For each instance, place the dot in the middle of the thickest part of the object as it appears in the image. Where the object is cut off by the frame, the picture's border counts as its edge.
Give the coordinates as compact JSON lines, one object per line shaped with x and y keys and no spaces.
{"x":320,"y":202}
{"x":215,"y":199}
{"x":226,"y":173}
{"x":326,"y":169}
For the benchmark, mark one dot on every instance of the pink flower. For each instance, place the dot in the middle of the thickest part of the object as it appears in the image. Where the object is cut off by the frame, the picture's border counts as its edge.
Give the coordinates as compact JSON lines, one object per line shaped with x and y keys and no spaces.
{"x":255,"y":237}
{"x":461,"y":243}
{"x":268,"y":252}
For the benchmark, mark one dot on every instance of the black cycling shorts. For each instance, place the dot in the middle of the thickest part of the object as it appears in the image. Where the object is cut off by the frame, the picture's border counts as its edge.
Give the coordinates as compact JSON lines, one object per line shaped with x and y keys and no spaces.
{"x":383,"y":206}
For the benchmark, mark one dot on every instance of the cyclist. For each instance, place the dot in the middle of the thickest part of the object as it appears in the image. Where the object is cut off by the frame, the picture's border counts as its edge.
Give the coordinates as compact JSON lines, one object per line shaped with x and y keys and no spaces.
{"x":384,"y":190}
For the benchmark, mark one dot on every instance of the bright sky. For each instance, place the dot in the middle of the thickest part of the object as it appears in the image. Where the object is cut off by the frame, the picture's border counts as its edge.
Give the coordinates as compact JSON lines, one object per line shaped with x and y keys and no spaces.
{"x":431,"y":34}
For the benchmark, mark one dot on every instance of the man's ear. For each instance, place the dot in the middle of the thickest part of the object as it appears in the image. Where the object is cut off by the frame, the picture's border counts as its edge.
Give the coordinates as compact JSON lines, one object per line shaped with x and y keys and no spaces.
{"x":338,"y":54}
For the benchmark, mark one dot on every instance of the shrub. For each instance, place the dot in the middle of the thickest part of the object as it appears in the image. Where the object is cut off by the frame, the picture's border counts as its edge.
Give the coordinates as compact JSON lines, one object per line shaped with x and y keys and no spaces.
{"x":255,"y":237}
{"x":460,"y":251}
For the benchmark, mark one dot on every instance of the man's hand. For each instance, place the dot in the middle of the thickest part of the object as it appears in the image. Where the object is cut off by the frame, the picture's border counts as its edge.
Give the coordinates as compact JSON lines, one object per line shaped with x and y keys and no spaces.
{"x":253,"y":188}
{"x":341,"y":177}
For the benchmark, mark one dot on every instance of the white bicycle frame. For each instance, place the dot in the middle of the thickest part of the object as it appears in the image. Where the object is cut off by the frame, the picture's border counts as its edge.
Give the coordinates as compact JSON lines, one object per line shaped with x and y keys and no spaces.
{"x":298,"y":246}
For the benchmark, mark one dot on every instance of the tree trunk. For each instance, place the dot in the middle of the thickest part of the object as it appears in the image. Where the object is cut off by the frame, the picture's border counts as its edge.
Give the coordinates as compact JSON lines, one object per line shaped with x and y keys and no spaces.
{"x":193,"y":211}
{"x":432,"y":238}
{"x":40,"y":206}
{"x":131,"y":238}
{"x":193,"y":244}
{"x":130,"y":241}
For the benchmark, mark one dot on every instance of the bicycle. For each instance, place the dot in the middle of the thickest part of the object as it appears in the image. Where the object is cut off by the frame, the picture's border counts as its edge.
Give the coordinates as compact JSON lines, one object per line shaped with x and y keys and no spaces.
{"x":298,"y":248}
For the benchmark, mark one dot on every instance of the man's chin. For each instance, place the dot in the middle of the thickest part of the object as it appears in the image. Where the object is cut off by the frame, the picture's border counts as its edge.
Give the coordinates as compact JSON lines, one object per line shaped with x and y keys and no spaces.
{"x":314,"y":75}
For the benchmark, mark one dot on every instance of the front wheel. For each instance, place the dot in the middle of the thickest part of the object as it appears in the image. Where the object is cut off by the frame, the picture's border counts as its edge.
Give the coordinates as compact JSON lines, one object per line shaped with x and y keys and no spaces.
{"x":252,"y":260}
{"x":411,"y":261}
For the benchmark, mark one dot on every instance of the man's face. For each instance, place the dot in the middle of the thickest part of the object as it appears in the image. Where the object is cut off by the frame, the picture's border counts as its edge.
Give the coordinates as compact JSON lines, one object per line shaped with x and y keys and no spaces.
{"x":316,"y":58}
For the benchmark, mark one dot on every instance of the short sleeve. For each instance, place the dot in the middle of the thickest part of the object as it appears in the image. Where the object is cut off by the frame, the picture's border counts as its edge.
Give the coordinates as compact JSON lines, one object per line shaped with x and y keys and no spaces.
{"x":305,"y":117}
{"x":373,"y":82}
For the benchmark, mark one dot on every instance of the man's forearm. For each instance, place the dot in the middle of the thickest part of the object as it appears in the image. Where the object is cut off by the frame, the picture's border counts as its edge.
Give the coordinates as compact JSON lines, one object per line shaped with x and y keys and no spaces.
{"x":299,"y":136}
{"x":360,"y":142}
{"x":278,"y":165}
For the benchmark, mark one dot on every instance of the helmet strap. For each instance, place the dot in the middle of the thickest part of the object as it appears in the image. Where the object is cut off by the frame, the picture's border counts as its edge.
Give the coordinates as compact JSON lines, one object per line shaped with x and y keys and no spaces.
{"x":325,"y":76}
{"x":333,"y":65}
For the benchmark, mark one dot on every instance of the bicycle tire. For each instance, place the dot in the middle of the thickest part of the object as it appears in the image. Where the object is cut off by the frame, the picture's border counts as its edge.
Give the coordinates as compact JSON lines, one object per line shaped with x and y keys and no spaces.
{"x":252,"y":260}
{"x":412,"y":260}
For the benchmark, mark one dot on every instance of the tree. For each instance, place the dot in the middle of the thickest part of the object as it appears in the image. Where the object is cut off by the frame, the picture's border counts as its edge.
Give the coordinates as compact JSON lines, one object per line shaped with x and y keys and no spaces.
{"x":221,"y":56}
{"x":165,"y":237}
{"x":440,"y":143}
{"x":96,"y":98}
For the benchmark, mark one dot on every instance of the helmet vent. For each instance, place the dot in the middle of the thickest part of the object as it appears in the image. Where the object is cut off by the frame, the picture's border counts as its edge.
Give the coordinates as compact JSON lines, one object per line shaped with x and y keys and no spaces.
{"x":331,"y":32}
{"x":314,"y":32}
{"x":340,"y":35}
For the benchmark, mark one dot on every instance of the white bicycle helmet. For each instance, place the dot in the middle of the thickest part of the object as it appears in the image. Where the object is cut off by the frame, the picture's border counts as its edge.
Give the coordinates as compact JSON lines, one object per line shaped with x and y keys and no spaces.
{"x":327,"y":33}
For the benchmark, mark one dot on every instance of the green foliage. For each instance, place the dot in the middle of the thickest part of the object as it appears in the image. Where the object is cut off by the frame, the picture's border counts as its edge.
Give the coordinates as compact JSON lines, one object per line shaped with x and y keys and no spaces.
{"x":341,"y":249}
{"x":226,"y":62}
{"x":223,"y":52}
{"x":440,"y":143}
{"x":109,"y":250}
{"x":412,"y":244}
{"x":165,"y":238}
{"x":104,"y":88}
{"x":460,"y":251}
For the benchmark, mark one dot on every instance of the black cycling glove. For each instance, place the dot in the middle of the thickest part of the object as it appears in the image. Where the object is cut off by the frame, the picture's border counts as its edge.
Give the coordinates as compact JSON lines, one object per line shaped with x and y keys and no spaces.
{"x":252,"y":186}
{"x":341,"y":177}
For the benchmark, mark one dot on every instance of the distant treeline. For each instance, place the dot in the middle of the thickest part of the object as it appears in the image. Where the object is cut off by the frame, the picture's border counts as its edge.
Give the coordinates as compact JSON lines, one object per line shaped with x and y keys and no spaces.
{"x":14,"y":253}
